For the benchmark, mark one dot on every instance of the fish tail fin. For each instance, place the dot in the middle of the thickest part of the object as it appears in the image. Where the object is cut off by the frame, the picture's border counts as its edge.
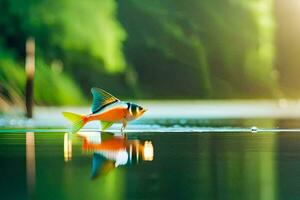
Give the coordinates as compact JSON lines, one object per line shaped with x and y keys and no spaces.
{"x":78,"y":121}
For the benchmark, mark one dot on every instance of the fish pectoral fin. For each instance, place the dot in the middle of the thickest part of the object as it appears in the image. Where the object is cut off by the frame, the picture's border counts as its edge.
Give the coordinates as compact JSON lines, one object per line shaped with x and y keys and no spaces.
{"x":101,"y":98}
{"x":105,"y":125}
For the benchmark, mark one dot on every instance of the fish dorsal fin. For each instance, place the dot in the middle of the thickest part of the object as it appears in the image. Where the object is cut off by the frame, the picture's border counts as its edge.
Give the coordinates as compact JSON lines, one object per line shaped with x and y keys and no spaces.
{"x":106,"y":125}
{"x":101,"y":98}
{"x":97,"y":164}
{"x":101,"y":165}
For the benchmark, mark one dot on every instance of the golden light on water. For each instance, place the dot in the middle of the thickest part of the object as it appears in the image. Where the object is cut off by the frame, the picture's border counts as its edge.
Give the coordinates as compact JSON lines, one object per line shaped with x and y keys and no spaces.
{"x":148,"y":153}
{"x":30,"y":161}
{"x":67,"y":147}
{"x":137,"y":152}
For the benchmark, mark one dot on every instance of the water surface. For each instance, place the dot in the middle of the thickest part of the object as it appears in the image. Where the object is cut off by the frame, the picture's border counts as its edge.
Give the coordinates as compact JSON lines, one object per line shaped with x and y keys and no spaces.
{"x":168,"y":154}
{"x":91,"y":165}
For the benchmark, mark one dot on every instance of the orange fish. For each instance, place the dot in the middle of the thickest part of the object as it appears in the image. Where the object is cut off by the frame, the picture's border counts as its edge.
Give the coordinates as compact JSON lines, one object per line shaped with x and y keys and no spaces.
{"x":107,"y":109}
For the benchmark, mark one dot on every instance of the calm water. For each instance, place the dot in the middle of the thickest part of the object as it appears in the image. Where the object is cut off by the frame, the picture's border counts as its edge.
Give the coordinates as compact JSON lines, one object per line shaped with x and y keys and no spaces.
{"x":91,"y":165}
{"x":168,"y":154}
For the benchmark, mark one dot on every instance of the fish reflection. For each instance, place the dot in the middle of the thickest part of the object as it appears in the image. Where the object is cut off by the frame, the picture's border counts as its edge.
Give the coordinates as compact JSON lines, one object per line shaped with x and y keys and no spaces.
{"x":111,"y":151}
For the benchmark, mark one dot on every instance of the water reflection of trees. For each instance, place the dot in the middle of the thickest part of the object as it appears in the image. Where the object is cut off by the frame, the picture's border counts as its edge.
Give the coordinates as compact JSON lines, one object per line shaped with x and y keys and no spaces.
{"x":212,"y":166}
{"x":30,"y":162}
{"x":215,"y":166}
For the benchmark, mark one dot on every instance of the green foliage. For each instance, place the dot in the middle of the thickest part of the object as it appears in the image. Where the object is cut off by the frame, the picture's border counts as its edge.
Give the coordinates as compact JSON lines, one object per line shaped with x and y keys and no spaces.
{"x":12,"y":79}
{"x":50,"y":86}
{"x":89,"y":28}
{"x":204,"y":48}
{"x":55,"y":88}
{"x":151,"y":49}
{"x":84,"y":37}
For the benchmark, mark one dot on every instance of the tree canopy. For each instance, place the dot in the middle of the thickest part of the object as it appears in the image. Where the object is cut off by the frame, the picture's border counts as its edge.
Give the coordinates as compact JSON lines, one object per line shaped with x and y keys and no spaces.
{"x":138,"y":48}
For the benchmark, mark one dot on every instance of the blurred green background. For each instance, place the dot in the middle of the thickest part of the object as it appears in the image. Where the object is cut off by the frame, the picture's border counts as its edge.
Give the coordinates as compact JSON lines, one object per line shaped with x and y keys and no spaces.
{"x":159,"y":49}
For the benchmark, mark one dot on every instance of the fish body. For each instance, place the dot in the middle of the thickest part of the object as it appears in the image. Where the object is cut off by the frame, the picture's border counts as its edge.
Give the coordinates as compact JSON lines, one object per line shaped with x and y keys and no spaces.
{"x":107,"y":109}
{"x":116,"y":112}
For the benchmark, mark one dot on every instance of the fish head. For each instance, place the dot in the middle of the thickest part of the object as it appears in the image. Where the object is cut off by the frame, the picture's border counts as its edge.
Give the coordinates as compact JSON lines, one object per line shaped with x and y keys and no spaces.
{"x":136,"y":110}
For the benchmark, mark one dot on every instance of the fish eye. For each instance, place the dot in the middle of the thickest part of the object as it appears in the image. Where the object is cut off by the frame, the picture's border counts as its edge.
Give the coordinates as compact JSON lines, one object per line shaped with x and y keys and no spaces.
{"x":140,"y":108}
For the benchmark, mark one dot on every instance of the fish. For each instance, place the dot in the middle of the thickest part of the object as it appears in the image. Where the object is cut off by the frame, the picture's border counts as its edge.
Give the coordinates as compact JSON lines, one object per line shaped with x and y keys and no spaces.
{"x":107,"y":109}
